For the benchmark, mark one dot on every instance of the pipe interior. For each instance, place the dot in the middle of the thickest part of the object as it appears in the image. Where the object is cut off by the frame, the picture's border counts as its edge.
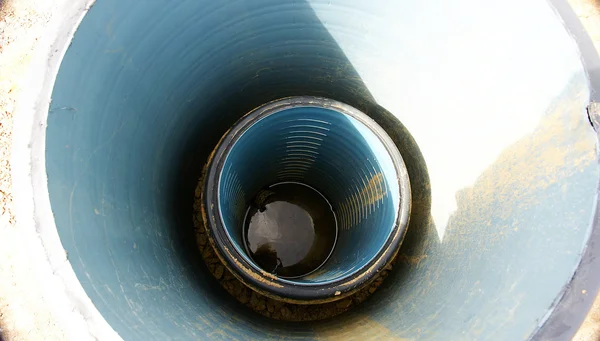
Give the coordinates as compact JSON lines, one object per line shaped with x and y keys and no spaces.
{"x":494,"y":134}
{"x":333,"y":153}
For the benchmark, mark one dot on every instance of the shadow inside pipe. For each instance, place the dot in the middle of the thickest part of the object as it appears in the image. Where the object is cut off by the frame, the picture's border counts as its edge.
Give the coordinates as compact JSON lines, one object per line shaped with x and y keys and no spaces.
{"x":302,"y":61}
{"x":130,"y":130}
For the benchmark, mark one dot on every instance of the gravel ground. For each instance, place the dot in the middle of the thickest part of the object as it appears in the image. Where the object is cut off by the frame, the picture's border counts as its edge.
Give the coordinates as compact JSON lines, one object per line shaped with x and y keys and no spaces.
{"x":24,"y":315}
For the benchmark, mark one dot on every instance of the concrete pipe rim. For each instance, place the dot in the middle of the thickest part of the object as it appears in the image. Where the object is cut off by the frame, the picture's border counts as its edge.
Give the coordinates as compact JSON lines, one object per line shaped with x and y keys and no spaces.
{"x":71,"y":306}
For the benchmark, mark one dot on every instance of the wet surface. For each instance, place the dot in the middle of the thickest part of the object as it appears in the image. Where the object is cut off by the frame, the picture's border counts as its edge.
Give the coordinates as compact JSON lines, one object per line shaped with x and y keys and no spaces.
{"x":290,"y":229}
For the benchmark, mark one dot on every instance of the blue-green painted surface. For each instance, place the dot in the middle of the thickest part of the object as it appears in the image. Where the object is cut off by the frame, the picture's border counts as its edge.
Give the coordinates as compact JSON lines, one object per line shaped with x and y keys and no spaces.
{"x":146,"y":89}
{"x":332,"y":152}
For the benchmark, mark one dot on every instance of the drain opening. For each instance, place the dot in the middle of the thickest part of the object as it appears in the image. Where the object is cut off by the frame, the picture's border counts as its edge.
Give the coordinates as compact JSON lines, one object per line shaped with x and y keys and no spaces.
{"x":302,"y":208}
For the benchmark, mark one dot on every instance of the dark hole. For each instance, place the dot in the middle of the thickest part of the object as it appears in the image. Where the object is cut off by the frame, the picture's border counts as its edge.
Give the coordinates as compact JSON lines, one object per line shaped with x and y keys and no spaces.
{"x":290,"y":229}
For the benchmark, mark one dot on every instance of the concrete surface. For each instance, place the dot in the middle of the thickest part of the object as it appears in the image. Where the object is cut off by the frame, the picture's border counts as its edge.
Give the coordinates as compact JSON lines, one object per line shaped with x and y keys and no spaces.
{"x":24,"y":313}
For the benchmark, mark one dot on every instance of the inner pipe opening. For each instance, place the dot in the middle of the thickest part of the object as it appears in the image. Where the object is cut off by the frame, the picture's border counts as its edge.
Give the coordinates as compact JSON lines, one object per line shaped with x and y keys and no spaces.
{"x":290,"y":229}
{"x":338,"y":157}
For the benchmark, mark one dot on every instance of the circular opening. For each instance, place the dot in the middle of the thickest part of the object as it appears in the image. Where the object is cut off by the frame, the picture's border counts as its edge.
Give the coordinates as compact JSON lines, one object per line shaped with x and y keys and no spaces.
{"x":290,"y":229}
{"x":320,"y":187}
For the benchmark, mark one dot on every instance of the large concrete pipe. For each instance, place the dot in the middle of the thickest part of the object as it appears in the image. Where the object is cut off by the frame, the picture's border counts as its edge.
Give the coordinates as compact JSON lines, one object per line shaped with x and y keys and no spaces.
{"x":490,"y":104}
